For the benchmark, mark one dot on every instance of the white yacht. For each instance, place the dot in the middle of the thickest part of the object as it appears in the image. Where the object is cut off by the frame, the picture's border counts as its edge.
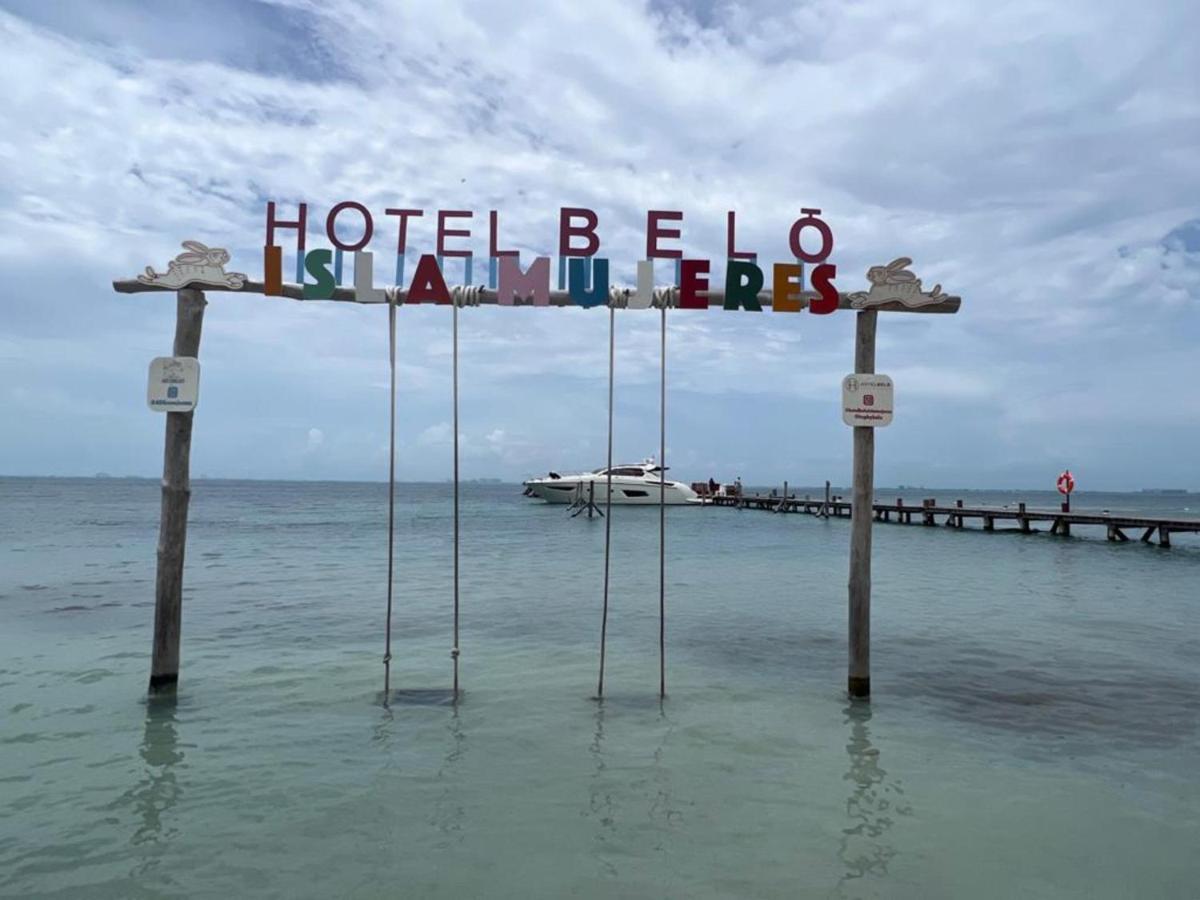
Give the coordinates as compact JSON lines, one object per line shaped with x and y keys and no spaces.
{"x":639,"y":484}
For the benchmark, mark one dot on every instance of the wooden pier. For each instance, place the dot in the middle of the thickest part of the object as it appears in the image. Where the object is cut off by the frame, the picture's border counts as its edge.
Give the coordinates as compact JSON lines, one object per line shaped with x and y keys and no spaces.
{"x":929,"y":513}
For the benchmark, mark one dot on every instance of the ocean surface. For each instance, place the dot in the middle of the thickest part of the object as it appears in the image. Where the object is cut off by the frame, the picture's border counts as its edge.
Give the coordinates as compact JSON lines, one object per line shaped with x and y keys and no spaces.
{"x":1035,"y":729}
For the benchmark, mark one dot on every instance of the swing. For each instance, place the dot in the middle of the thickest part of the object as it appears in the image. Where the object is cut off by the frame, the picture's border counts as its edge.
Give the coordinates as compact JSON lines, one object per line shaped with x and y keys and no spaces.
{"x":461,"y":296}
{"x":663,"y":297}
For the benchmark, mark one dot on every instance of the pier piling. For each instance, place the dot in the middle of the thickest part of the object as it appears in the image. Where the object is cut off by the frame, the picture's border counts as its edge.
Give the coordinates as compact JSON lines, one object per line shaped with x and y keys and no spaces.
{"x":863,"y":498}
{"x":176,"y":492}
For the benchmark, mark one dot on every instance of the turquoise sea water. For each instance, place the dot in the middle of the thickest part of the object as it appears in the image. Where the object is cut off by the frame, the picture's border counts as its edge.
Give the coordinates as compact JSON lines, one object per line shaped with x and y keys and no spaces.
{"x":1034,"y":731}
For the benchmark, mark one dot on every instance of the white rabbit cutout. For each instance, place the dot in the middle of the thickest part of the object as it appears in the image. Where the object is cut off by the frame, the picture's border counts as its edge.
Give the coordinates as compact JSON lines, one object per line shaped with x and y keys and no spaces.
{"x":894,"y":283}
{"x":199,"y":264}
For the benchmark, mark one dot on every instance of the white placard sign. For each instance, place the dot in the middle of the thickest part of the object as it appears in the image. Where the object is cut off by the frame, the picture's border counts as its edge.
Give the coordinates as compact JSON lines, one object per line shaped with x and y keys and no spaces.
{"x":174,"y":384}
{"x":867,"y":400}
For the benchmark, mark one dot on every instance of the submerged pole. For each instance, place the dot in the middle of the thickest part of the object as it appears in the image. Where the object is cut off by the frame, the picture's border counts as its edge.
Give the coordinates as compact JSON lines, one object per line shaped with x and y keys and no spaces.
{"x":176,"y":492}
{"x":859,"y":680}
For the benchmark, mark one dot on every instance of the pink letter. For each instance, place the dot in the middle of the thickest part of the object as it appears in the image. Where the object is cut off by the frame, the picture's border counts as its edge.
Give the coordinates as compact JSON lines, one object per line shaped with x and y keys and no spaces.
{"x":535,"y":282}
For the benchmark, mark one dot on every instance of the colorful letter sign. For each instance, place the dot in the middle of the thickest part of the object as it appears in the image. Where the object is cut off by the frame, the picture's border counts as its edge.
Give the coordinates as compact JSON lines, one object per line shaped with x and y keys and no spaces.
{"x":578,"y":237}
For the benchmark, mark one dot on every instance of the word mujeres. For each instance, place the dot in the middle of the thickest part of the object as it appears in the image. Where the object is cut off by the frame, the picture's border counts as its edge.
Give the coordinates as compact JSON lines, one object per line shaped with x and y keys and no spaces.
{"x":578,"y":250}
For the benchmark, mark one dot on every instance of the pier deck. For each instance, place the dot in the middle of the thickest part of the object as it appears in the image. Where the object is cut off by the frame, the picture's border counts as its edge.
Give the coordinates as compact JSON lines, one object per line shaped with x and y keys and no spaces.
{"x":929,"y":513}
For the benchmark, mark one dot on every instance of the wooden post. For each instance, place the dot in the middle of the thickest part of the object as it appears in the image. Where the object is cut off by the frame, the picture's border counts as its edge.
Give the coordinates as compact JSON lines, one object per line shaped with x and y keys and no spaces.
{"x":176,"y":491}
{"x":863,"y":497}
{"x":825,"y":508}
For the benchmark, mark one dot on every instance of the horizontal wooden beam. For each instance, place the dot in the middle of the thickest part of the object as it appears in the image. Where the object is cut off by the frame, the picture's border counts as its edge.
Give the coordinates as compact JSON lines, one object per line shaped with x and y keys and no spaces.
{"x":491,"y":298}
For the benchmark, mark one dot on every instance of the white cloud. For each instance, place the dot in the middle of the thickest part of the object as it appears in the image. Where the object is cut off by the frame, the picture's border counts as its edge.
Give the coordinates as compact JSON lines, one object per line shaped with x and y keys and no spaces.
{"x":1029,"y":157}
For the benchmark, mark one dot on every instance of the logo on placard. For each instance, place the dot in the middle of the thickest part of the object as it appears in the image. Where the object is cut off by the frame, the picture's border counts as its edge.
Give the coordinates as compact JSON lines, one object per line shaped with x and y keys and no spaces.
{"x":173,"y":384}
{"x":867,"y":400}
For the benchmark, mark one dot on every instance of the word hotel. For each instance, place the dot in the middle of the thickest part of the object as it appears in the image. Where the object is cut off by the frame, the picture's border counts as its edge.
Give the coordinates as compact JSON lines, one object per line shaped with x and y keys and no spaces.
{"x":578,"y":252}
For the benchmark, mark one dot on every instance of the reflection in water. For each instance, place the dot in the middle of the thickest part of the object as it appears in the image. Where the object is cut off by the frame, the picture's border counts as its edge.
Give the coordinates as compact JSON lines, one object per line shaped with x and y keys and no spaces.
{"x":448,"y":810}
{"x":158,"y":792}
{"x":874,"y":799}
{"x":663,"y":810}
{"x":601,"y":805}
{"x":381,"y":735}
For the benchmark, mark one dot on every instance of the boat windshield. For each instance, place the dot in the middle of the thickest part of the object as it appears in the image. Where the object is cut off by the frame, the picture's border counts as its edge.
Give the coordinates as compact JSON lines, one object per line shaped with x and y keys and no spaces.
{"x":629,"y":471}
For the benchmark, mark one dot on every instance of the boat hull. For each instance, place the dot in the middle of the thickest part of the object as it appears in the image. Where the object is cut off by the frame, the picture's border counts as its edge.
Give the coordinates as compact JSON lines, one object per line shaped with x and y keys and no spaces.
{"x":625,"y":491}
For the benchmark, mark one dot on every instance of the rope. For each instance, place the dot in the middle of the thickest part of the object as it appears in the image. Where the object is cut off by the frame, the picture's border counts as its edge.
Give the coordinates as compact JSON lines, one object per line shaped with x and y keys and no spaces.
{"x":392,"y":296}
{"x":662,"y":298}
{"x":462,"y":296}
{"x":662,"y":512}
{"x":608,"y":496}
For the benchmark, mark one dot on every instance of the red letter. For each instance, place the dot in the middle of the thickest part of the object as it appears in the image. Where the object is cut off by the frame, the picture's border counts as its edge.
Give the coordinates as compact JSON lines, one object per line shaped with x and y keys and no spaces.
{"x":810,"y":220}
{"x":368,"y":226}
{"x":693,"y":284}
{"x":566,"y":231}
{"x":494,"y":223}
{"x":822,"y":276}
{"x":402,"y":243}
{"x":654,"y":233}
{"x":300,"y":225}
{"x":443,"y":232}
{"x":427,"y":283}
{"x":730,"y":243}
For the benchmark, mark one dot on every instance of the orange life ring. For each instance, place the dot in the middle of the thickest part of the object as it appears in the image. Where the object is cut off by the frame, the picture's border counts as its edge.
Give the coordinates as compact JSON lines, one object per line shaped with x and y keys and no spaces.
{"x":1066,"y":482}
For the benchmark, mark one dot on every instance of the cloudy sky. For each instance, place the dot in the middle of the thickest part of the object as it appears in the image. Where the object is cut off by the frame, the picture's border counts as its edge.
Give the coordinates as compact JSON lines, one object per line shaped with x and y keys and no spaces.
{"x":1039,"y":159}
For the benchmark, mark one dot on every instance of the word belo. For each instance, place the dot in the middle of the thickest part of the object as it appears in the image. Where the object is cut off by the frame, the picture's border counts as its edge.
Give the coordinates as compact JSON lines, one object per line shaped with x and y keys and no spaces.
{"x":578,"y":249}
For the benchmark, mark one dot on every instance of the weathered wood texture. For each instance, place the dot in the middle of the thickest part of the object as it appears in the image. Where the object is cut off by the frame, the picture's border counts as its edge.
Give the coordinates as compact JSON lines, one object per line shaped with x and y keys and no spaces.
{"x":862,"y":500}
{"x":491,"y":297}
{"x":176,"y":491}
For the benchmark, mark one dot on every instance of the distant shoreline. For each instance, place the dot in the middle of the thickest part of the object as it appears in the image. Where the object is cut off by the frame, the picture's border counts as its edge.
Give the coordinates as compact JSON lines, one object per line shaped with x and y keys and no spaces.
{"x":750,"y":484}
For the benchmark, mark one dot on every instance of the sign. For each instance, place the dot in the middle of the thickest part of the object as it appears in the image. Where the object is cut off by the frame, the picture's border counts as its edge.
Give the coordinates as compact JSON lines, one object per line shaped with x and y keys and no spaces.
{"x":867,"y":401}
{"x":174,"y":384}
{"x":1066,"y":482}
{"x":351,"y":226}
